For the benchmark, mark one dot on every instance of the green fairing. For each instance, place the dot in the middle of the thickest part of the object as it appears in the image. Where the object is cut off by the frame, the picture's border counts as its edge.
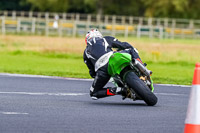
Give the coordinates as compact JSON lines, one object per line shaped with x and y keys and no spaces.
{"x":117,"y":62}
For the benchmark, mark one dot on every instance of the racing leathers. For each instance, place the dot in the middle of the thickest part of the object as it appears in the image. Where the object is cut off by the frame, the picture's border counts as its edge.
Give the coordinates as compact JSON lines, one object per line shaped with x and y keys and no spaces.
{"x":96,"y":56}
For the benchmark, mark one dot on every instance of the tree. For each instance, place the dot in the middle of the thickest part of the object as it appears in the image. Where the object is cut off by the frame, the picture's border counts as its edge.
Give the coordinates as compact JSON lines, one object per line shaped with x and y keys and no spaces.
{"x":49,"y":5}
{"x":95,"y":5}
{"x":172,"y":8}
{"x":124,"y":7}
{"x":193,"y":10}
{"x":149,"y":8}
{"x":14,"y":5}
{"x":117,"y":7}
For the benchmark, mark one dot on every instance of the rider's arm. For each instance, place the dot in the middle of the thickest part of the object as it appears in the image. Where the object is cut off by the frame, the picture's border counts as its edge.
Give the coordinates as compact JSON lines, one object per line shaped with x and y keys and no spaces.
{"x":117,"y":44}
{"x":122,"y":46}
{"x":89,"y":65}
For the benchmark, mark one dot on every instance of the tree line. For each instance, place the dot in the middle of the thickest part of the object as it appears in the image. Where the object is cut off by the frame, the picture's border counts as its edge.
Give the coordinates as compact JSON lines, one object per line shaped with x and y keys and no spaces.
{"x":149,"y":8}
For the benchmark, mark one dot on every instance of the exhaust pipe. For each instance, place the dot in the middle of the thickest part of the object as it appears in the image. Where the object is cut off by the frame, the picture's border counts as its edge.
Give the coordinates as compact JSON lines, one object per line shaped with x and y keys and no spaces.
{"x":141,"y":67}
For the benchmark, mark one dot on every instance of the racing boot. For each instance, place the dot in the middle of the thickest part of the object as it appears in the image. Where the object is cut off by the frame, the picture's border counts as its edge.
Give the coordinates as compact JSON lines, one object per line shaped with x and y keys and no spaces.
{"x":116,"y":91}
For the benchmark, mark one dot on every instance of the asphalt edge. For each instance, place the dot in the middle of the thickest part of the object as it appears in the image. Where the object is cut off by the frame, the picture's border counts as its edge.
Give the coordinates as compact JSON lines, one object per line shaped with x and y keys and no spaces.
{"x":56,"y":77}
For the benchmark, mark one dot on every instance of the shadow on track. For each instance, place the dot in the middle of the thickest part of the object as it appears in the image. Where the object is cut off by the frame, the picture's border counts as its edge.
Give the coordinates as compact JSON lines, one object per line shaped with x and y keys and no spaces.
{"x":103,"y":103}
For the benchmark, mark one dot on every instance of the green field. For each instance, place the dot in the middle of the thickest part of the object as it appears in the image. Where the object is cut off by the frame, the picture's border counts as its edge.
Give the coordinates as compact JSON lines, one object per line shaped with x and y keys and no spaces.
{"x":172,"y":61}
{"x":43,"y":64}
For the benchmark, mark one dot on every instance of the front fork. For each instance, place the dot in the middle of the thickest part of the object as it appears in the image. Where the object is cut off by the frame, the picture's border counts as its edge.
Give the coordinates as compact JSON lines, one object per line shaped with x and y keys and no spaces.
{"x":148,"y":81}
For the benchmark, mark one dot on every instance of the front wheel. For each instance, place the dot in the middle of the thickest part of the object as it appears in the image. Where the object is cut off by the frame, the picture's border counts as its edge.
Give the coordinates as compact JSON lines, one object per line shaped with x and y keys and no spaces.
{"x":139,"y":87}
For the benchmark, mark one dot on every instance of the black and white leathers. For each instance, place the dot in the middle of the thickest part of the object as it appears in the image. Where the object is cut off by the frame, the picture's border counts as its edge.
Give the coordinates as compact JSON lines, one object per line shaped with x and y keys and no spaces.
{"x":100,"y":46}
{"x":95,"y":50}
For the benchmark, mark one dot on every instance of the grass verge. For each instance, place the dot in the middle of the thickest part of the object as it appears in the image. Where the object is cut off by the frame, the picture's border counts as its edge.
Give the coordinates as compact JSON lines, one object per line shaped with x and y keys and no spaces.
{"x":171,"y":60}
{"x":72,"y":65}
{"x":43,"y":64}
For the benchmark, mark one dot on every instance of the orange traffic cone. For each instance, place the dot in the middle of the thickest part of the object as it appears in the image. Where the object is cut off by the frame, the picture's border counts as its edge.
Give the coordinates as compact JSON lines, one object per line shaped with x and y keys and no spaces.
{"x":192,"y":122}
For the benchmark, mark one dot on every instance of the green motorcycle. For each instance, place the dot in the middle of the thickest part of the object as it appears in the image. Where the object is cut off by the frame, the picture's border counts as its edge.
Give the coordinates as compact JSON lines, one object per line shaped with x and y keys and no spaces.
{"x":133,"y":76}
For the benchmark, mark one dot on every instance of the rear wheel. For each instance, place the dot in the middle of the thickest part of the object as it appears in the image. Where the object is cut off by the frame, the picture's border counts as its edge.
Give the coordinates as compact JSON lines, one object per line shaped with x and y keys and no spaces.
{"x":139,"y":87}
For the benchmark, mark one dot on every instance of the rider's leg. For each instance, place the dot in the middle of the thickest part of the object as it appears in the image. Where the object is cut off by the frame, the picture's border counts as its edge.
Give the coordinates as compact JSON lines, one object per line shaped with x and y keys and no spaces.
{"x":97,"y":90}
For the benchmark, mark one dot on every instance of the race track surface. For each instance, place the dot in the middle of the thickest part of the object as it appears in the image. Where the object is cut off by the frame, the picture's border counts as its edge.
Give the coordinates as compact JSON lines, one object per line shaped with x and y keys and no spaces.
{"x":50,"y":105}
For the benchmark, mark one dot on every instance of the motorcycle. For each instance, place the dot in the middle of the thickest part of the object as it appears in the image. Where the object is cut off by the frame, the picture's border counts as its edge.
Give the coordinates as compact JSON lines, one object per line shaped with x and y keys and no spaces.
{"x":133,"y":76}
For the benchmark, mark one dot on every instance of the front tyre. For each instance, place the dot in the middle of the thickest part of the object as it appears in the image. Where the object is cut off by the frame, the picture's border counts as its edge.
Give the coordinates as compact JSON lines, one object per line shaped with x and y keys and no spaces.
{"x":139,"y":87}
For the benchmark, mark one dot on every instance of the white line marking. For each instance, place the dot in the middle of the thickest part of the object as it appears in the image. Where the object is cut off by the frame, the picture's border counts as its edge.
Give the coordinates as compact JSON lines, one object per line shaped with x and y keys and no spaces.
{"x":13,"y":113}
{"x":170,"y":94}
{"x":79,"y":79}
{"x":73,"y":94}
{"x":42,"y":76}
{"x":174,"y":85}
{"x":48,"y":94}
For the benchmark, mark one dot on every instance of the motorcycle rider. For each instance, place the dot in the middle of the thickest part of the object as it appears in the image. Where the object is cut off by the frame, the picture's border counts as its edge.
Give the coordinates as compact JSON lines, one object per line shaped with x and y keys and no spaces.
{"x":96,"y":56}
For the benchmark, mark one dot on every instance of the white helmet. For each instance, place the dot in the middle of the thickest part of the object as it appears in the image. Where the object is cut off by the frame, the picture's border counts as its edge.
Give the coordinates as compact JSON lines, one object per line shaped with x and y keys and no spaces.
{"x":91,"y":34}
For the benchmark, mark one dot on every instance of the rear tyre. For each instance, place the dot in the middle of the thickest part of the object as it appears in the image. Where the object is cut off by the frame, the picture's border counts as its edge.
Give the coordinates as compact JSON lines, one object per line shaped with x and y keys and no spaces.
{"x":139,"y":87}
